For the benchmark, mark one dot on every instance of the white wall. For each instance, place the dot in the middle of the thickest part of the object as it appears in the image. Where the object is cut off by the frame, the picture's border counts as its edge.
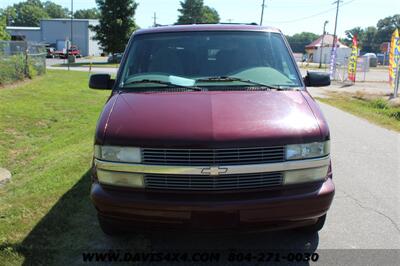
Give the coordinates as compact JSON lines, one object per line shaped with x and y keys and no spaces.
{"x":342,"y":55}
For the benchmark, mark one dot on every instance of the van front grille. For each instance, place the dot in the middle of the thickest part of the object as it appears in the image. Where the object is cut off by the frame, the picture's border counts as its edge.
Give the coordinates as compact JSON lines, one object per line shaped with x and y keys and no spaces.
{"x":236,"y":156}
{"x":213,"y":183}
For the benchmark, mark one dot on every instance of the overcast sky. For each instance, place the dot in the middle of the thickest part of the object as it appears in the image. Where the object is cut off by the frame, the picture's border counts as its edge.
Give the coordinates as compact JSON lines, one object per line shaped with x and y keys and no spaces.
{"x":291,"y":16}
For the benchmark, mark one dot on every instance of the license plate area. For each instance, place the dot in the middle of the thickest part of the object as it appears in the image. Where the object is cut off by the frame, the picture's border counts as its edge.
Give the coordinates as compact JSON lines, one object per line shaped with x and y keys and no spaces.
{"x":210,"y":220}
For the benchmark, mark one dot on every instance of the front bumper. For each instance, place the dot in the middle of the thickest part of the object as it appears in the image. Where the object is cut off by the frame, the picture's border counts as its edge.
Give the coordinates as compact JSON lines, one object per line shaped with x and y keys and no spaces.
{"x":291,"y":207}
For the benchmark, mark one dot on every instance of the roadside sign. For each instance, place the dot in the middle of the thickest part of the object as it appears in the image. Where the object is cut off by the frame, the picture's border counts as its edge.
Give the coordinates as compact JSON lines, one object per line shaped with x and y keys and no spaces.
{"x":352,"y":68}
{"x":394,"y":61}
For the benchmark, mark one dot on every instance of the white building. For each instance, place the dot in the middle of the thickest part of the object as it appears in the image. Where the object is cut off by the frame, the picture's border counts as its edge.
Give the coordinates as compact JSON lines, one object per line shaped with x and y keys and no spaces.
{"x":57,"y":32}
{"x":325,"y":44}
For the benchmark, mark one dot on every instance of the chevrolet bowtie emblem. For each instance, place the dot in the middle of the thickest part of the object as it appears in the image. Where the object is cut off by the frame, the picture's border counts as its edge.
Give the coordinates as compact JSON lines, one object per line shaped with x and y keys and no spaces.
{"x":214,"y":170}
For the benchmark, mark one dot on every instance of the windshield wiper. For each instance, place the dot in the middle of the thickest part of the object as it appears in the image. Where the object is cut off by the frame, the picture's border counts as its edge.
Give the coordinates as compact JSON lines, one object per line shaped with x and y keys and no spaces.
{"x":228,"y":79}
{"x":156,"y":81}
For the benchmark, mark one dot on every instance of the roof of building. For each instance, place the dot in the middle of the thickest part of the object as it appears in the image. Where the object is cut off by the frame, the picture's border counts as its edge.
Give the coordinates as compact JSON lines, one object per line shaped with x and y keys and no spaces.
{"x":327,"y":42}
{"x":68,"y":19}
{"x":208,"y":27}
{"x":21,"y":28}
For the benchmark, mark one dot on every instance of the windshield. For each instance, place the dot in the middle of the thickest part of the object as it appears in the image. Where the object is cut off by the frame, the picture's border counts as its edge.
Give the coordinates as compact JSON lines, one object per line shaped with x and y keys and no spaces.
{"x":208,"y":59}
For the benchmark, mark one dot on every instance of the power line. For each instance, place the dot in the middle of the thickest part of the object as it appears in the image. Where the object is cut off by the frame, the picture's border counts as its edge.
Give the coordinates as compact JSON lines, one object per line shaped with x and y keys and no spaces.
{"x":312,"y":16}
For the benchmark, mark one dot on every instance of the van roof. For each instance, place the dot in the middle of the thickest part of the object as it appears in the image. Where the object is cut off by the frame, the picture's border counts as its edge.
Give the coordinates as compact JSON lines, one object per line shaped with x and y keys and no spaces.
{"x":207,"y":27}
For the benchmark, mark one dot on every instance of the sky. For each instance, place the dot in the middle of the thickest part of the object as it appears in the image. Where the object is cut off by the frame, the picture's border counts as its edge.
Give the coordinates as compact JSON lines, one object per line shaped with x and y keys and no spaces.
{"x":291,"y":16}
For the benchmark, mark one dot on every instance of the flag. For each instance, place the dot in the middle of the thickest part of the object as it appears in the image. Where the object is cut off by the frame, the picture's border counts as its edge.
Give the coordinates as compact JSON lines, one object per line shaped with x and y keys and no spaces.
{"x":332,"y":70}
{"x":352,"y":68}
{"x":394,"y":56}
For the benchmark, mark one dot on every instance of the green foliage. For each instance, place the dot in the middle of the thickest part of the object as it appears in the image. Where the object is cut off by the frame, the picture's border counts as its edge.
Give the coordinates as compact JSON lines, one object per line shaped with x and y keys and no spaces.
{"x":28,"y":13}
{"x":386,"y":27}
{"x":91,"y":13}
{"x":195,"y":12}
{"x":371,"y":38}
{"x":14,"y":68}
{"x":3,"y":33}
{"x":116,"y":24}
{"x":210,"y":15}
{"x":299,"y":40}
{"x":55,"y":11}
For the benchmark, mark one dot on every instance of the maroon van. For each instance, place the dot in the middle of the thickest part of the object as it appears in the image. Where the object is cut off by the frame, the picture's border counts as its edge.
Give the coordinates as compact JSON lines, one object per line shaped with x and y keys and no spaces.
{"x":210,"y":127}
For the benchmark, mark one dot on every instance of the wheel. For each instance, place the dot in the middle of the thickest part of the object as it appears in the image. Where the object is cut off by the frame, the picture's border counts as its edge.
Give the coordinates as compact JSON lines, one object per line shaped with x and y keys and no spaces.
{"x":110,"y":228}
{"x":315,"y":227}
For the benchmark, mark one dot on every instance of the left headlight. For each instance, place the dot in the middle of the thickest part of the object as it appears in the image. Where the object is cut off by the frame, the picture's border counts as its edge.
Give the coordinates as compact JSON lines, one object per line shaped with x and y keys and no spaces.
{"x":118,"y":154}
{"x":308,"y":150}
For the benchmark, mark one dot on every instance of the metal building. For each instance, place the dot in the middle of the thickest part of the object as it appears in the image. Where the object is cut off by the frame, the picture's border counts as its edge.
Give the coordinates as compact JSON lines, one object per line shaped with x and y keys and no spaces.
{"x":57,"y":32}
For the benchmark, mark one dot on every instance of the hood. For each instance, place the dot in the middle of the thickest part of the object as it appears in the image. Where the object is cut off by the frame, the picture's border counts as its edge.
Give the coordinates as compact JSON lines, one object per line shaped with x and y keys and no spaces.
{"x":208,"y":119}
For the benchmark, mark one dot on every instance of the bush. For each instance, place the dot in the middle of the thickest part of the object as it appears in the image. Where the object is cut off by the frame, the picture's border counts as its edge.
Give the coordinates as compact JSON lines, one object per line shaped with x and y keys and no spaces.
{"x":14,"y":68}
{"x":379,"y":104}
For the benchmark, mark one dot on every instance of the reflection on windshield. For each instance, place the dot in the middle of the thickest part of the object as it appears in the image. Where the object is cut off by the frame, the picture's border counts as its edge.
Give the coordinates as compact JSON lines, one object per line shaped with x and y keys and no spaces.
{"x":186,"y":56}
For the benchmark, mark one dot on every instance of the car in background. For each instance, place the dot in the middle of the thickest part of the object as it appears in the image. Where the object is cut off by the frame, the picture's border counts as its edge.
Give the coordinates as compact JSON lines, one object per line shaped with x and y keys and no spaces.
{"x":50,"y":52}
{"x":115,"y":58}
{"x":210,"y":127}
{"x":72,"y":51}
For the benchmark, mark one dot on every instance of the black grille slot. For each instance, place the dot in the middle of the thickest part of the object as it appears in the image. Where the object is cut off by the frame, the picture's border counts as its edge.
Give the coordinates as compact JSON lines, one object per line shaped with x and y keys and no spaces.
{"x":197,"y":157}
{"x":213,"y":183}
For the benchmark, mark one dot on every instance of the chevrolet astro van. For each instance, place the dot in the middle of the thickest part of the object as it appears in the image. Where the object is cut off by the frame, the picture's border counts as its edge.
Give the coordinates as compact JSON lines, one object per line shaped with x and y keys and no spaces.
{"x":210,"y":127}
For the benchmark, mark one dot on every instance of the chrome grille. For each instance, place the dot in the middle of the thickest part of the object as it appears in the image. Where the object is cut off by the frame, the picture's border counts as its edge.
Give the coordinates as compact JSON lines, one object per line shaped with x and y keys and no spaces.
{"x":214,"y":183}
{"x":236,"y":156}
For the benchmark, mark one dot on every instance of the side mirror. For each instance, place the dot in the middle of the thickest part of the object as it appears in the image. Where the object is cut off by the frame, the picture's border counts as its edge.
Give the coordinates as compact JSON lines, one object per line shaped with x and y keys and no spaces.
{"x":317,"y":79}
{"x":101,"y":82}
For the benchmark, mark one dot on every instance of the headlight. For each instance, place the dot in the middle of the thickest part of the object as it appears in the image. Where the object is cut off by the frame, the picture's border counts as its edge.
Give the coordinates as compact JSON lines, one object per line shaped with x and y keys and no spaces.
{"x":309,"y":150}
{"x":120,"y":178}
{"x":305,"y":175}
{"x":118,"y":154}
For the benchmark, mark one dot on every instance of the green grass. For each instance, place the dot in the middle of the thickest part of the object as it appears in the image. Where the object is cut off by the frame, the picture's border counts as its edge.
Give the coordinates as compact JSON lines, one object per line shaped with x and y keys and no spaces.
{"x":86,"y":64}
{"x":46,"y":136}
{"x":374,"y":110}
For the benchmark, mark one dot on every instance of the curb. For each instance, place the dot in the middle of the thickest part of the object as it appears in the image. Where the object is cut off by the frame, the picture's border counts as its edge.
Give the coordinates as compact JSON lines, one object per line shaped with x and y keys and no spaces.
{"x":5,"y":175}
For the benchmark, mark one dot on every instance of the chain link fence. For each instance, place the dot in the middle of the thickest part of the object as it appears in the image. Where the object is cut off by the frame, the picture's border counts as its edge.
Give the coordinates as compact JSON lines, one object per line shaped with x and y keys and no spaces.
{"x":20,"y":60}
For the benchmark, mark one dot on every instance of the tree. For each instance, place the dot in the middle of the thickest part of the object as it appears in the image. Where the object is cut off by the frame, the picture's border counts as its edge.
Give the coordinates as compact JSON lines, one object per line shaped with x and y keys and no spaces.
{"x":92,"y":13}
{"x":299,"y":41}
{"x":386,"y":27}
{"x":357,"y":31}
{"x":3,"y":23}
{"x":195,"y":12}
{"x":116,"y":24}
{"x":369,"y":41}
{"x":55,"y":11}
{"x":191,"y":12}
{"x":28,"y":13}
{"x":210,"y":15}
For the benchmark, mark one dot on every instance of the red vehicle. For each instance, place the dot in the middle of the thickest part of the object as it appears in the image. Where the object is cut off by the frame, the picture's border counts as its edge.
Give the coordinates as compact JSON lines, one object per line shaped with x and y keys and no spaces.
{"x":210,"y":127}
{"x":72,"y":51}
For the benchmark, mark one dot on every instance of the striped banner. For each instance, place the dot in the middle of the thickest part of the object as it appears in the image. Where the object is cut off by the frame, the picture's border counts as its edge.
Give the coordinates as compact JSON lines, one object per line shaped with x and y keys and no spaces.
{"x":352,"y":68}
{"x":394,"y":56}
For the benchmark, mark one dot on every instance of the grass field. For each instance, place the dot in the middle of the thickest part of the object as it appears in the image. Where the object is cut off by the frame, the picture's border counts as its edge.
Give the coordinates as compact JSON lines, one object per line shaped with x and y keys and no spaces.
{"x":46,"y":138}
{"x":86,"y":64}
{"x":374,"y":110}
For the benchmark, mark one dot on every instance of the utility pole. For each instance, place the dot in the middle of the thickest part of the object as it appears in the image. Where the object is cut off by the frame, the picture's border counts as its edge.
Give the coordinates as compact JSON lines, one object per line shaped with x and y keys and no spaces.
{"x":322,"y":44}
{"x":155,"y":19}
{"x":262,"y":12}
{"x":337,"y":2}
{"x":71,"y":39}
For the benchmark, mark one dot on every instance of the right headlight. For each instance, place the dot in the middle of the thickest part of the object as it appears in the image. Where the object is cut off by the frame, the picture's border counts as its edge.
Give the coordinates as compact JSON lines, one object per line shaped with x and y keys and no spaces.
{"x":308,"y":150}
